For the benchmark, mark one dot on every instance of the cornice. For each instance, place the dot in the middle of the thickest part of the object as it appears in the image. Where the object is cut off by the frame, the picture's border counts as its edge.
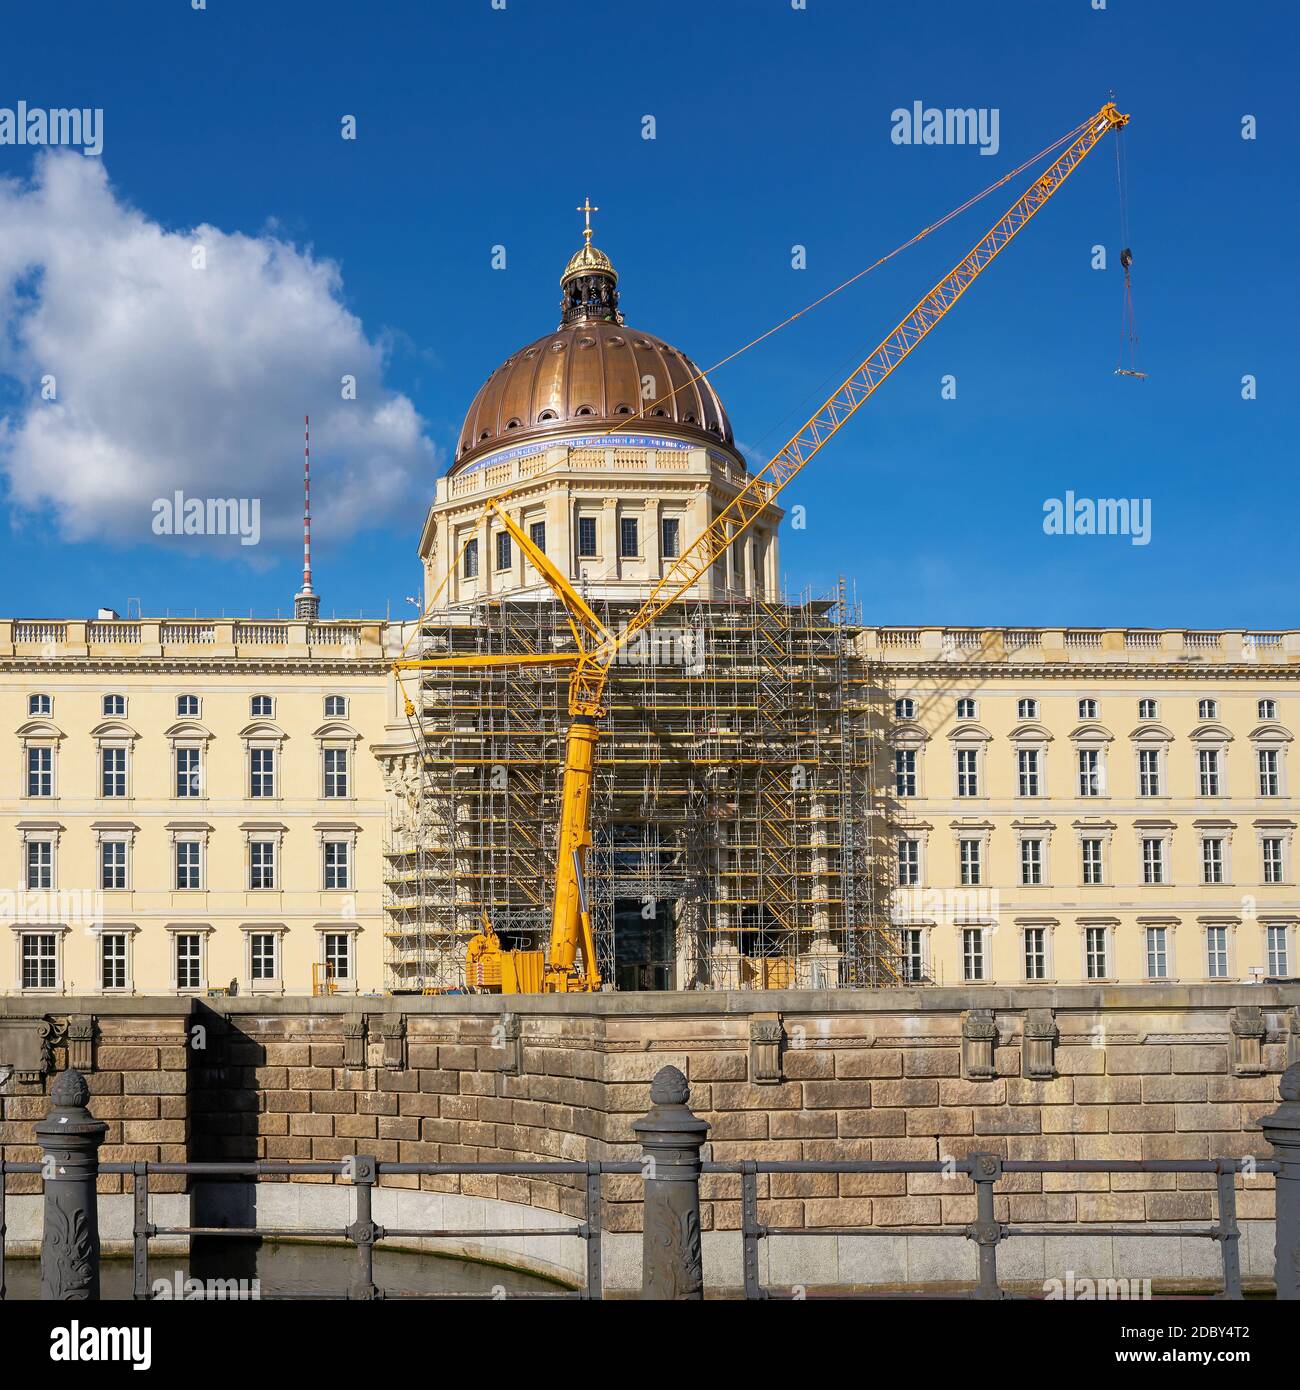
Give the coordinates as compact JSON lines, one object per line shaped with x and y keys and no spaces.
{"x":368,"y":666}
{"x":1077,"y":669}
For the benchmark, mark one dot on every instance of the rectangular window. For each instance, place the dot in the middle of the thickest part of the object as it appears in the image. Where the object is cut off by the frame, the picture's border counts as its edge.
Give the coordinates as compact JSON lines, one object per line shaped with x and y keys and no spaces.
{"x":970,"y":862}
{"x":261,"y":766}
{"x":1153,"y":861}
{"x":1089,"y":772}
{"x":913,"y":956}
{"x":972,"y":953}
{"x":586,"y":537}
{"x":336,"y":772}
{"x":1269,"y":781}
{"x":338,"y":955}
{"x":40,"y":961}
{"x":1092,"y":861}
{"x":189,"y":960}
{"x":261,"y":864}
{"x":1272,"y":854}
{"x":336,"y":707}
{"x":1157,"y":953}
{"x":40,"y":863}
{"x":1031,"y":861}
{"x":1279,"y":956}
{"x":112,"y":771}
{"x":628,"y":539}
{"x":967,"y":772}
{"x":40,"y":772}
{"x":1216,"y":953}
{"x":1207,"y":760}
{"x":262,"y":956}
{"x":1027,"y":768}
{"x":909,"y":862}
{"x":187,"y":772}
{"x":1212,"y":861}
{"x":469,"y":565}
{"x":503,"y":550}
{"x":112,"y":864}
{"x":537,"y":534}
{"x":338,"y":864}
{"x":1148,"y":772}
{"x":1035,"y":953}
{"x":905,"y":772}
{"x":189,"y":864}
{"x":112,"y":960}
{"x":1094,"y":945}
{"x":670,"y":533}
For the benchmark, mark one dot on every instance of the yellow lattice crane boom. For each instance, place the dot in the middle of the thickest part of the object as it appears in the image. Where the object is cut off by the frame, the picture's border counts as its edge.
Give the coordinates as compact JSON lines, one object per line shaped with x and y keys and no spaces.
{"x":597,"y":647}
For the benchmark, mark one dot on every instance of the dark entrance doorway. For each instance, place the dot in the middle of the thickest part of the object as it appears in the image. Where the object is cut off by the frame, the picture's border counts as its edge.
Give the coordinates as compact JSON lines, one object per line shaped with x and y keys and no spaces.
{"x":644,"y":955}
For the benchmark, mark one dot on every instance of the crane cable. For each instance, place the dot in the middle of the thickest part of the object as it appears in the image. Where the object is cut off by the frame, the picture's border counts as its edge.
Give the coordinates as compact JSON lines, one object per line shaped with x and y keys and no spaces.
{"x":866,"y":270}
{"x":1128,"y":335}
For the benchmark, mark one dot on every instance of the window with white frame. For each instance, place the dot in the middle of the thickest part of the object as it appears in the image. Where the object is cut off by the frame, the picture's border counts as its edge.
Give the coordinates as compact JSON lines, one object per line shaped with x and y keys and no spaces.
{"x":1035,"y":953}
{"x":1216,"y":953}
{"x":335,"y":772}
{"x":1157,"y":944}
{"x":1031,"y":861}
{"x":261,"y":864}
{"x":261,"y":771}
{"x":913,"y":944}
{"x":1212,"y":859}
{"x":1092,"y":860}
{"x":187,"y":707}
{"x":114,"y":706}
{"x":113,"y":771}
{"x":1153,"y":859}
{"x":909,"y":862}
{"x":587,"y":546}
{"x":537,"y":535}
{"x":1091,"y":772}
{"x":966,"y":708}
{"x":113,"y":864}
{"x":262,"y":707}
{"x":968,"y":782}
{"x":1096,"y":953}
{"x":1148,"y":772}
{"x":113,"y":972}
{"x":1027,"y":709}
{"x":1088,"y":709}
{"x":336,"y":707}
{"x":1278,"y":947}
{"x":904,"y":709}
{"x":1271,"y":853}
{"x":1147,"y":709}
{"x":337,"y":861}
{"x":39,"y":704}
{"x":1266,"y":709}
{"x":336,"y":948}
{"x":905,"y":771}
{"x":39,"y":955}
{"x":187,"y":948}
{"x":40,"y":770}
{"x":263,"y":955}
{"x":972,"y":953}
{"x":970,"y":856}
{"x":1270,"y":771}
{"x":1210,"y":771}
{"x":629,"y":540}
{"x":188,"y":759}
{"x":40,"y":864}
{"x":1028,"y":770}
{"x":189,"y":864}
{"x":1207,"y":709}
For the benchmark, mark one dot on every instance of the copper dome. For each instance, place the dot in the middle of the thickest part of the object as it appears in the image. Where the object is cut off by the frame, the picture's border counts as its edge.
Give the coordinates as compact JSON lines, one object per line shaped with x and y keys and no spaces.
{"x":591,"y":373}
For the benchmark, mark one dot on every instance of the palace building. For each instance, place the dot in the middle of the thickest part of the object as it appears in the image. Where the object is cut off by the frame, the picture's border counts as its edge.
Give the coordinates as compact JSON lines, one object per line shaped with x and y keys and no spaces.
{"x":785,"y":797}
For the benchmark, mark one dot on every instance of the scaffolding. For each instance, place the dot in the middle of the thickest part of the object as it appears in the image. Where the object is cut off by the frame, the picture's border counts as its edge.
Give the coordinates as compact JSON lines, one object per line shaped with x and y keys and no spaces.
{"x":738,"y":838}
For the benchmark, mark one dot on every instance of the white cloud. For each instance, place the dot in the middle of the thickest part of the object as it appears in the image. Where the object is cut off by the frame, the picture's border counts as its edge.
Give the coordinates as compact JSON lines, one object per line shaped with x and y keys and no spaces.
{"x":170,"y":377}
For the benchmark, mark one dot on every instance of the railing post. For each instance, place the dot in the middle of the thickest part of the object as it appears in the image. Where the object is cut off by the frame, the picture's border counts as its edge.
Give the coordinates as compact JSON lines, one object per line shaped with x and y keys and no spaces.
{"x":70,"y":1137}
{"x":363,"y":1170}
{"x":1229,"y":1231}
{"x":985,"y":1230}
{"x":1282,"y":1129}
{"x":672,"y":1264}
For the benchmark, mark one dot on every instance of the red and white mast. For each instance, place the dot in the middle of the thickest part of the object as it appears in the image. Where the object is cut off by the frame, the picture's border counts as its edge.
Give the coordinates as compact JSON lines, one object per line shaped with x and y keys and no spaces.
{"x":306,"y":602}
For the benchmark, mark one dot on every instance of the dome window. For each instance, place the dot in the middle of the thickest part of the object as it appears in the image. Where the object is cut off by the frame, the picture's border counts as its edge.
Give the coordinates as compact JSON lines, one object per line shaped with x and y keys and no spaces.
{"x":530,"y":353}
{"x":557,"y":347}
{"x":487,"y":434}
{"x":622,"y":410}
{"x":641,"y":343}
{"x":586,"y":342}
{"x":545,"y":415}
{"x":689,"y":420}
{"x":584,"y":410}
{"x":513,"y":424}
{"x":617,"y":342}
{"x":661,"y":413}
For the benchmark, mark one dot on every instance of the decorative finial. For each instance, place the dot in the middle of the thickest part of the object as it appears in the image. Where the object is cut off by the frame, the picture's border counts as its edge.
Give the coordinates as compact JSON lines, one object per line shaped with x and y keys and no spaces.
{"x":70,"y":1091}
{"x":586,"y":209}
{"x":669,"y":1087}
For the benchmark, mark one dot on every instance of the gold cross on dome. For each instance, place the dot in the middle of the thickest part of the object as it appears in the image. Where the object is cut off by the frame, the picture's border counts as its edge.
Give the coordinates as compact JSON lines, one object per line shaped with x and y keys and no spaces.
{"x":587,"y":210}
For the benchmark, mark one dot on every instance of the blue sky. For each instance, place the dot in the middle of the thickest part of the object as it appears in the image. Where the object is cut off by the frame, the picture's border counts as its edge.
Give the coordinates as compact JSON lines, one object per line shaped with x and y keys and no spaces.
{"x":478,"y":127}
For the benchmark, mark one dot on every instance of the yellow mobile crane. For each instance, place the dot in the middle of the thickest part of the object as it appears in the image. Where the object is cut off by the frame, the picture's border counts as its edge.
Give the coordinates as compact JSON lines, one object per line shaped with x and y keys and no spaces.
{"x":597,"y":647}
